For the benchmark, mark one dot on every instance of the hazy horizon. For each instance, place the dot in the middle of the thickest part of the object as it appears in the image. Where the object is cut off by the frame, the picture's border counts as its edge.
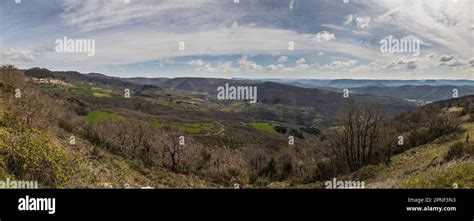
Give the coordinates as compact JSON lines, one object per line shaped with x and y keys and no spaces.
{"x":266,"y":78}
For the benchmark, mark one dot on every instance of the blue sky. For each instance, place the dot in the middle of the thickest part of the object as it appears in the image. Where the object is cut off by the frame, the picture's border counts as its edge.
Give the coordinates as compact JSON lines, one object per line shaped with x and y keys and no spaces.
{"x":332,"y":39}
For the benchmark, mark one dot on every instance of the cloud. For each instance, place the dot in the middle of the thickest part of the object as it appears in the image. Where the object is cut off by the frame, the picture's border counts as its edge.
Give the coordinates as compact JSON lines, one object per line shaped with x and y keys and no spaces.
{"x":430,"y":56}
{"x":96,"y":14}
{"x":196,"y":62}
{"x":444,"y":24}
{"x":324,"y":36}
{"x":282,"y":59}
{"x":301,"y":65}
{"x":279,"y":65}
{"x":226,"y":67}
{"x":201,"y":66}
{"x":446,"y":58}
{"x":291,"y":4}
{"x":411,"y":65}
{"x":275,"y":67}
{"x":363,"y":22}
{"x":471,"y":61}
{"x":149,"y":31}
{"x":341,"y":64}
{"x":348,"y":19}
{"x":122,"y":71}
{"x":165,"y":61}
{"x":372,"y":66}
{"x":360,"y":21}
{"x":249,"y":65}
{"x":452,"y":63}
{"x":400,"y":63}
{"x":236,"y":25}
{"x":16,"y":55}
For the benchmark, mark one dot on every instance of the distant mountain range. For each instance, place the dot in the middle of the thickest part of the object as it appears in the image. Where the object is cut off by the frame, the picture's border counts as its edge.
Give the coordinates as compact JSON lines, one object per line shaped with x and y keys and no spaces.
{"x":326,"y":103}
{"x":421,"y":90}
{"x":351,"y":83}
{"x":416,"y":90}
{"x":320,"y":94}
{"x":427,"y":93}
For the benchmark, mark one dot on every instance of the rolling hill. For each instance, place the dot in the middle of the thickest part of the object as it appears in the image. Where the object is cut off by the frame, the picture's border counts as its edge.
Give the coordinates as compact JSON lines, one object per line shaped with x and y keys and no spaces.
{"x":322,"y":102}
{"x":427,"y":93}
{"x":133,"y":142}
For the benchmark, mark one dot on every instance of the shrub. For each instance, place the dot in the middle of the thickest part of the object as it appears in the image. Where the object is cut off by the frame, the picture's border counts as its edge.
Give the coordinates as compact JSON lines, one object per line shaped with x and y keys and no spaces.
{"x":311,"y":130}
{"x":280,"y":129}
{"x":271,"y":170}
{"x":296,"y":133}
{"x":287,"y":168}
{"x":419,"y":137}
{"x":325,"y":171}
{"x":442,"y":124}
{"x":459,"y":150}
{"x":30,"y":155}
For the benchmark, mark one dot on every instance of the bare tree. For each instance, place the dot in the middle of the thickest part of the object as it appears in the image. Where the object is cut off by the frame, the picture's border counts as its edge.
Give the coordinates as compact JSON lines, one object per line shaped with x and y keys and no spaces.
{"x":360,"y":140}
{"x":443,"y":123}
{"x":172,"y":152}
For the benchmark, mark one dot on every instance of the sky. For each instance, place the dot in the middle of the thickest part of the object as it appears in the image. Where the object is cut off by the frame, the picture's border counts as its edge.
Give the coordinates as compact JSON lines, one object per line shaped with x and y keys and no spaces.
{"x":293,"y":39}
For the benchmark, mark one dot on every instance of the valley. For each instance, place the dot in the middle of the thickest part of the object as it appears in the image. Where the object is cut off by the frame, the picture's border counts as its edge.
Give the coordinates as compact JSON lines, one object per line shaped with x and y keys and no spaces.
{"x":283,"y":140}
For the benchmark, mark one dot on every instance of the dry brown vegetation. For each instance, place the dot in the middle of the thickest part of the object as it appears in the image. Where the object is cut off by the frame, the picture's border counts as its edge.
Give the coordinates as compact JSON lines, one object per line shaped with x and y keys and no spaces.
{"x":362,"y":140}
{"x":36,"y":129}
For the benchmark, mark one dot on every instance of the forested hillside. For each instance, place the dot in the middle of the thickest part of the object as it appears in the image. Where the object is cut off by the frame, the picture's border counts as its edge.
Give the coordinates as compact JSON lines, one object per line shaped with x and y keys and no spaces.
{"x":85,"y":133}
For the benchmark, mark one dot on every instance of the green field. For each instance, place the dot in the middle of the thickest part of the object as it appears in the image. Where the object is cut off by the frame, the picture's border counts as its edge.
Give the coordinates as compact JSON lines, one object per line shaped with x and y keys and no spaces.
{"x":76,"y":91}
{"x":262,"y":126}
{"x":196,"y":128}
{"x":79,"y":90}
{"x":190,"y":128}
{"x":101,"y":92}
{"x":102,"y":115}
{"x":53,"y":88}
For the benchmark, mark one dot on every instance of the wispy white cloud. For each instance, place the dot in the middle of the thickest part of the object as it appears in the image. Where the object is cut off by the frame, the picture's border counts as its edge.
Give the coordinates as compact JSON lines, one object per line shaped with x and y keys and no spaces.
{"x":361,"y":22}
{"x":93,"y":15}
{"x":275,"y":67}
{"x":11,"y":55}
{"x":149,"y":31}
{"x":335,"y":65}
{"x":227,"y":67}
{"x":445,"y":23}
